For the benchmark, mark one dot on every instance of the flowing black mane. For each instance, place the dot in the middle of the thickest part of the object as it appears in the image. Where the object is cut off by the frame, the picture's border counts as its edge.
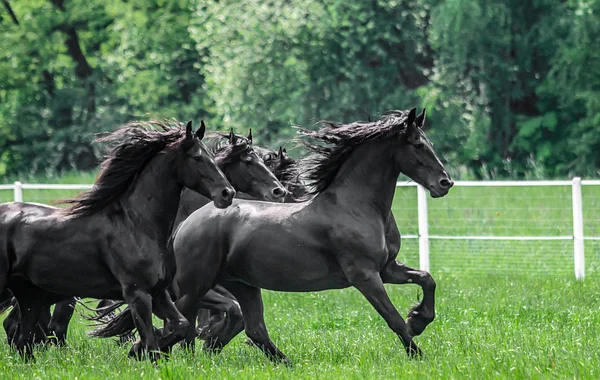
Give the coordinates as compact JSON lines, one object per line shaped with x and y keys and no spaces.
{"x":133,"y":146}
{"x":224,"y":151}
{"x":332,"y":144}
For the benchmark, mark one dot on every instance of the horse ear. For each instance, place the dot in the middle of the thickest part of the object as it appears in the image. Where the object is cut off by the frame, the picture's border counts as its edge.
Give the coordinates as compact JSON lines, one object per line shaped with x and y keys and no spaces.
{"x":410,"y":122}
{"x":250,"y":135}
{"x":421,"y":119}
{"x":200,"y":132}
{"x":280,"y":154}
{"x":188,"y":129}
{"x":231,"y":137}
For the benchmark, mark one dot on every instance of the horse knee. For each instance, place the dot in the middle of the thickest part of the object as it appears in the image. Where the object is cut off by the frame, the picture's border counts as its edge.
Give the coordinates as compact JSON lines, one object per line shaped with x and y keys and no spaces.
{"x":428,"y":281}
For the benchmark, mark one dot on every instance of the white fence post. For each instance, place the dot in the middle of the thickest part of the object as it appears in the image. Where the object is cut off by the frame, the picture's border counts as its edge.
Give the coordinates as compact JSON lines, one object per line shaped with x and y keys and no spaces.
{"x":18,"y":191}
{"x":578,"y":246}
{"x":423,"y":228}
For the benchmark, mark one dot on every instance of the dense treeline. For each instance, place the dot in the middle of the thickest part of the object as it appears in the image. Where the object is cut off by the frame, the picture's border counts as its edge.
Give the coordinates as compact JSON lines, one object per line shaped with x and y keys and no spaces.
{"x":512,"y":87}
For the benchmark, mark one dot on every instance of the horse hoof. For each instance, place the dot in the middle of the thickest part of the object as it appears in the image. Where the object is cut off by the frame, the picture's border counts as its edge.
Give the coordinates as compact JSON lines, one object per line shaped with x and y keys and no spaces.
{"x":413,"y":351}
{"x":136,"y":351}
{"x":26,"y":354}
{"x":203,"y":332}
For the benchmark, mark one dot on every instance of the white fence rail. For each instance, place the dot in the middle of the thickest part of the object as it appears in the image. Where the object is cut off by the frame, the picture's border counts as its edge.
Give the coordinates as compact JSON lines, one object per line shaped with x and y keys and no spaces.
{"x":423,"y":235}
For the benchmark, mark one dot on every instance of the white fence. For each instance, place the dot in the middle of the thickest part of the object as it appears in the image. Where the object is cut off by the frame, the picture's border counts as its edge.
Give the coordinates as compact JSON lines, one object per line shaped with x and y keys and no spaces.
{"x":576,"y":233}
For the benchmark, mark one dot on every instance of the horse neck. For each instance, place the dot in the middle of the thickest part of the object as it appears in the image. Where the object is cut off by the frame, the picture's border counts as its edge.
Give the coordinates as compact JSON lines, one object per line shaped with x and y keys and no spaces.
{"x":153,"y":201}
{"x":190,"y":201}
{"x":367,"y":178}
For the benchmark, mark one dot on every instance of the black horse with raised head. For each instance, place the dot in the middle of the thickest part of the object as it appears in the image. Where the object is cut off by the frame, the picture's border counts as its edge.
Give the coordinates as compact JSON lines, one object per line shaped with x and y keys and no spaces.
{"x":110,"y":242}
{"x":338,"y":238}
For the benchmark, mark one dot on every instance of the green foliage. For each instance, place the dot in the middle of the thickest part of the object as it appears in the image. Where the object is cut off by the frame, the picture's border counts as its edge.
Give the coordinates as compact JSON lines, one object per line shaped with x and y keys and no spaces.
{"x":278,"y":63}
{"x":511,"y":86}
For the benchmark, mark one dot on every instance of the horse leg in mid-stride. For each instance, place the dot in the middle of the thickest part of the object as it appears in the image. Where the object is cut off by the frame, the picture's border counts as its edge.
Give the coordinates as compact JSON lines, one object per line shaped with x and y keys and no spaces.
{"x":374,"y":291}
{"x":216,"y":336}
{"x":140,"y":303}
{"x":188,"y":305}
{"x":176,"y":325}
{"x":422,"y":314}
{"x":250,"y":300}
{"x":29,"y":314}
{"x":59,"y":323}
{"x":212,"y":321}
{"x":11,"y":327}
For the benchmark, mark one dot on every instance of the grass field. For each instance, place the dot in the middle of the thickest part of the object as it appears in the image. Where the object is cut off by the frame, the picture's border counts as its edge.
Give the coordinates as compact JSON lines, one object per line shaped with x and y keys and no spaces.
{"x":504,"y":309}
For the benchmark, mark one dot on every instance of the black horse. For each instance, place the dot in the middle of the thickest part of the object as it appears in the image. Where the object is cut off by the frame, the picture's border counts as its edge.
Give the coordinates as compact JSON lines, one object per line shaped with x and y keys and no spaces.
{"x":213,"y":327}
{"x":243,"y":168}
{"x":285,"y":169}
{"x":336,"y":239}
{"x":221,"y":323}
{"x":111,"y":241}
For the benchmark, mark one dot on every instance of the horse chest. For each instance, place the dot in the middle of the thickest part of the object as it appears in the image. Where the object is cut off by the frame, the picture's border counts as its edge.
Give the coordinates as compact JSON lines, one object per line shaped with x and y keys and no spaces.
{"x":139,"y":256}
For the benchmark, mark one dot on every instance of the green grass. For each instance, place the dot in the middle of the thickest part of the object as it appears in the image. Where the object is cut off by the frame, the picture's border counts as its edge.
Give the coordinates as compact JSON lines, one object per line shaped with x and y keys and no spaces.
{"x":504,"y":309}
{"x":493,"y":327}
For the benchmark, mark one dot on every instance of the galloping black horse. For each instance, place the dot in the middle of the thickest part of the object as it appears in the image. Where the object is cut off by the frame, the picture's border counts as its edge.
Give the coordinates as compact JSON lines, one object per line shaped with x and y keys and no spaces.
{"x":224,"y":320}
{"x":212,"y":325}
{"x":336,"y":239}
{"x":243,"y":168}
{"x":111,"y":241}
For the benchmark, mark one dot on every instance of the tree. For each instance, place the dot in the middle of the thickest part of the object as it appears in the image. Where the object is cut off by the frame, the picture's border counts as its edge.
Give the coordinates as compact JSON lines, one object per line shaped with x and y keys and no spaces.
{"x":272,"y":64}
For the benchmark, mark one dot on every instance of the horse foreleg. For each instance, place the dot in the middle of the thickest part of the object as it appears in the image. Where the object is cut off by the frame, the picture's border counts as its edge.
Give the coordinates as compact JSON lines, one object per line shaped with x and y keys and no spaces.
{"x":374,"y":291}
{"x":424,"y":313}
{"x":176,"y":325}
{"x":140,"y":303}
{"x":250,"y":300}
{"x":211,"y":322}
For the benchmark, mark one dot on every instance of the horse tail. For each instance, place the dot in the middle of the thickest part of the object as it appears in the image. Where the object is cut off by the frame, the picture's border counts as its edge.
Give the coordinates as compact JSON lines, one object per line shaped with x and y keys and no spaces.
{"x":113,"y":325}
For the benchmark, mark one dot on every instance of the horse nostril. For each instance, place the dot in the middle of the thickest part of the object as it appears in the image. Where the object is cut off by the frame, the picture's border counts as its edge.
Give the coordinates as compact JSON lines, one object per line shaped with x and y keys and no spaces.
{"x":278,"y":192}
{"x":446,"y":183}
{"x":227,"y":193}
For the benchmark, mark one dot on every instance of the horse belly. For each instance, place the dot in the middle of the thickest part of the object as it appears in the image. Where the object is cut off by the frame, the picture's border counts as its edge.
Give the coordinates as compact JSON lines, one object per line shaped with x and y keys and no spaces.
{"x":72,"y":272}
{"x":285,"y":264}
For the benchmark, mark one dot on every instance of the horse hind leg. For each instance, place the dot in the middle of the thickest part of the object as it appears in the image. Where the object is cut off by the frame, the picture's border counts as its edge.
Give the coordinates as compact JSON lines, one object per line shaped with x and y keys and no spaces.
{"x":250,"y":301}
{"x":59,"y":323}
{"x":424,"y":313}
{"x":11,"y":327}
{"x":29,"y":311}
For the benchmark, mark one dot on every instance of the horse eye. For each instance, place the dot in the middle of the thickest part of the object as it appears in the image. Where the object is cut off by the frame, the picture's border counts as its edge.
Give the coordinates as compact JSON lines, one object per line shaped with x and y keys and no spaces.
{"x":419,"y":145}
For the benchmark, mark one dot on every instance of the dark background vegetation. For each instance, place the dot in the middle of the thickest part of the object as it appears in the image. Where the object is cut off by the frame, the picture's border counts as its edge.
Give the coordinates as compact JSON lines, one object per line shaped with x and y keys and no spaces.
{"x":512,"y":87}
